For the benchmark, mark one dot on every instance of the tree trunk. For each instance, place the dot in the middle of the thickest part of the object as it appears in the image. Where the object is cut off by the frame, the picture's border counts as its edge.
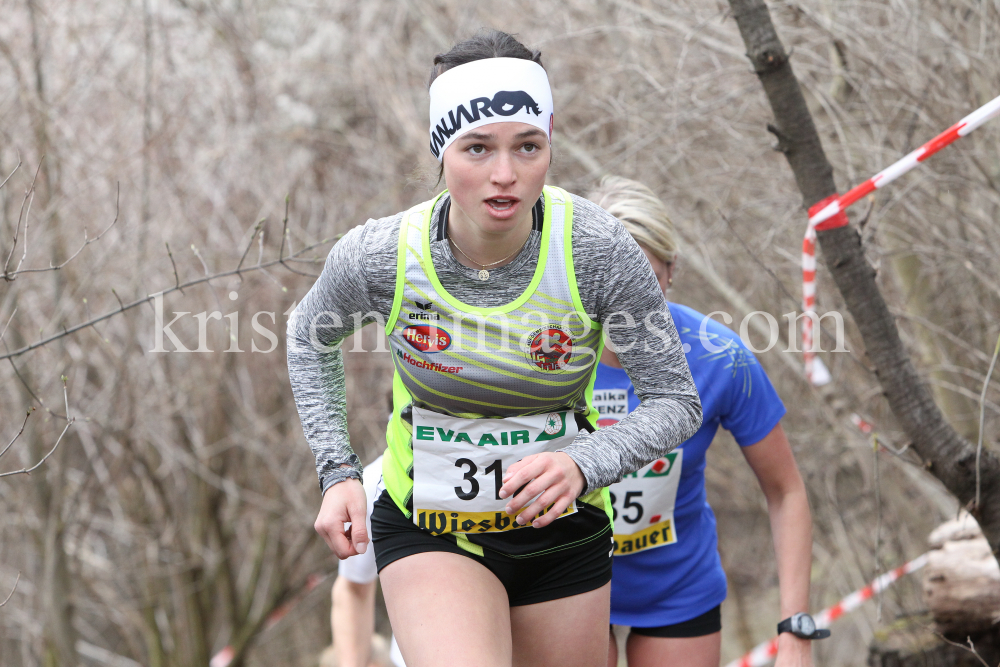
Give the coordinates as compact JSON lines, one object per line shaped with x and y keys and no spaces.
{"x":947,"y":455}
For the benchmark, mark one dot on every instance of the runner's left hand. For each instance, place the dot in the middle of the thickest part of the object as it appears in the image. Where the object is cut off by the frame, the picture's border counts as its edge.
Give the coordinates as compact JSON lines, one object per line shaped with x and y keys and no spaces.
{"x":793,"y":652}
{"x":554,"y":475}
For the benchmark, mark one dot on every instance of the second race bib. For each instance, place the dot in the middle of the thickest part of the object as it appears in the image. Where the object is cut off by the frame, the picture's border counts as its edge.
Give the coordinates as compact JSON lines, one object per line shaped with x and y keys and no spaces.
{"x":643,"y":505}
{"x":458,"y":466}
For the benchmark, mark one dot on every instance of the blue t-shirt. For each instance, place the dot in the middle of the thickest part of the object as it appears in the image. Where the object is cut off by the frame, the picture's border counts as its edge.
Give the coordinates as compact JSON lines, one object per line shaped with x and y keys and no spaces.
{"x":680,"y":581}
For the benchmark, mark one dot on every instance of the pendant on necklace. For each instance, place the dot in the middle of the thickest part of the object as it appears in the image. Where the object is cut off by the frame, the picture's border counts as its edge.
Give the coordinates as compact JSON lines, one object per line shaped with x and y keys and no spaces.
{"x":484,"y":274}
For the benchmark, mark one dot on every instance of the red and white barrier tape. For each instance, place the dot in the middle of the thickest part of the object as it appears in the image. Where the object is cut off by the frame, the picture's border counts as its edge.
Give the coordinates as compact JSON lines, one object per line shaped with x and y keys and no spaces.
{"x":829,"y":214}
{"x":766,"y":652}
{"x":226,"y":655}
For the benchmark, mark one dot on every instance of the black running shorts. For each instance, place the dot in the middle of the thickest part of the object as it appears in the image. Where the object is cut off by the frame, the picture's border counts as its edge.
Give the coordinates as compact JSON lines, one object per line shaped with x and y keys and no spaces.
{"x":580,"y":568}
{"x":708,"y":623}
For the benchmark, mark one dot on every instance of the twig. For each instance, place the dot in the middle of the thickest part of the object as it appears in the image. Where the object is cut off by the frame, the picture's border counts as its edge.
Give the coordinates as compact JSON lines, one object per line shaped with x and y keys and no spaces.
{"x":4,"y":332}
{"x":971,"y":648}
{"x":177,"y":280}
{"x":31,"y":391}
{"x":9,"y":595}
{"x":146,"y":299}
{"x":18,"y":166}
{"x":256,"y":230}
{"x":756,"y":259}
{"x":878,"y":523}
{"x":122,"y":305}
{"x":18,"y":435}
{"x":86,"y":242}
{"x":69,"y":422}
{"x":197,"y":254}
{"x":29,"y":195}
{"x":982,"y":416}
{"x":284,"y":231}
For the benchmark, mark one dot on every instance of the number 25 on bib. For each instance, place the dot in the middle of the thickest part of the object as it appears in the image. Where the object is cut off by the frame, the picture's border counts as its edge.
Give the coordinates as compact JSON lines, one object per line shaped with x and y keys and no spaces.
{"x":643,"y":505}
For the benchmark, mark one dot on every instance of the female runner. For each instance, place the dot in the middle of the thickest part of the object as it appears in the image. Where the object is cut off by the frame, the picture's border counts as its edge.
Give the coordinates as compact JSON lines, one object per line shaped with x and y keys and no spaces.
{"x":668,"y":582}
{"x":492,"y":536}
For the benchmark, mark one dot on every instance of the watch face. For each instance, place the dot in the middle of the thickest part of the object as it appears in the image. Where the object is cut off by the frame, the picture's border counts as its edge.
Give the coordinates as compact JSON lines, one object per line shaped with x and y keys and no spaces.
{"x":807,"y":625}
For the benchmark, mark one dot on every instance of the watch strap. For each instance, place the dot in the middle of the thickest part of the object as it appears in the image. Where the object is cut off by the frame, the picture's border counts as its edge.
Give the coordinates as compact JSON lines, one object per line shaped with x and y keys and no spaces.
{"x":786,"y":626}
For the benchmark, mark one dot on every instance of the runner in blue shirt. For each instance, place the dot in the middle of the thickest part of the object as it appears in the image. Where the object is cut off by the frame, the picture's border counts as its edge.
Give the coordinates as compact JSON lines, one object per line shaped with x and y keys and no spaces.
{"x":668,"y":581}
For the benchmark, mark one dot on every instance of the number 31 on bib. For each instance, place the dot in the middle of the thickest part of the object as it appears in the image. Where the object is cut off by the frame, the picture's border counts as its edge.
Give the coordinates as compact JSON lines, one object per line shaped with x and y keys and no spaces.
{"x":643,"y":505}
{"x":458,"y":467}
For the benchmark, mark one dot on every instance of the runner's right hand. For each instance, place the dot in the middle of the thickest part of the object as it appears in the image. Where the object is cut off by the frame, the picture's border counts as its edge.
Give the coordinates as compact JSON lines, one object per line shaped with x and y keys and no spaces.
{"x":344,"y":502}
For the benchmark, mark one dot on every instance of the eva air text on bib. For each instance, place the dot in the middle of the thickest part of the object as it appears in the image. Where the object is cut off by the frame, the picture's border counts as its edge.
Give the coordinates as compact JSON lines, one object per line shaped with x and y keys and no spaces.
{"x":643,"y":505}
{"x":459,"y":464}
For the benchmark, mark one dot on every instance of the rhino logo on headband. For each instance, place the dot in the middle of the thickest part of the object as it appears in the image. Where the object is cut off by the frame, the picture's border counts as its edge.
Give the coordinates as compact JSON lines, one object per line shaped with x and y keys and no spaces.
{"x":504,"y":103}
{"x":516,"y":100}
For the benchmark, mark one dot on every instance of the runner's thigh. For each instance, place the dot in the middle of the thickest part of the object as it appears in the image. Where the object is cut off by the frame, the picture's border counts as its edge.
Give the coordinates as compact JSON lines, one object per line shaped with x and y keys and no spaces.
{"x":447,"y":609}
{"x":568,"y":632}
{"x":643,"y":651}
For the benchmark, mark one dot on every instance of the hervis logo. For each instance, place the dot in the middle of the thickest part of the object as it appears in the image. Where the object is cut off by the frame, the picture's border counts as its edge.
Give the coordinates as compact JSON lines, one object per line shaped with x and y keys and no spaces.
{"x":555,"y":427}
{"x":427,"y":337}
{"x":504,"y":103}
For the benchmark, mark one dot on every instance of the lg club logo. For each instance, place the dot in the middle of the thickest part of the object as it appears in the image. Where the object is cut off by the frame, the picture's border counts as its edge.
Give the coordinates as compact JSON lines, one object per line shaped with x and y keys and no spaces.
{"x":427,"y":337}
{"x":504,"y":103}
{"x":550,"y":348}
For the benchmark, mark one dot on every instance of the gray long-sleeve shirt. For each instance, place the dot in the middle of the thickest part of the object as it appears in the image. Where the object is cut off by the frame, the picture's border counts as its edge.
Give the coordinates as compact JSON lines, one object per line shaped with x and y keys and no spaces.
{"x":615,"y":282}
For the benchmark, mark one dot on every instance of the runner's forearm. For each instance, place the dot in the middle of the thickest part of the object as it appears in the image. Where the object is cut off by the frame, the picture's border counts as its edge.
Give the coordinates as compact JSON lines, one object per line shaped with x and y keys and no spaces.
{"x":328,"y":313}
{"x":649,"y":350}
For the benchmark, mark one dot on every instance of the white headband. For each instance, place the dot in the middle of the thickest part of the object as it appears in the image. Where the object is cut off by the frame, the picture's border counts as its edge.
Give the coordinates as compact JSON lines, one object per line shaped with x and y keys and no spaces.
{"x":491,"y":90}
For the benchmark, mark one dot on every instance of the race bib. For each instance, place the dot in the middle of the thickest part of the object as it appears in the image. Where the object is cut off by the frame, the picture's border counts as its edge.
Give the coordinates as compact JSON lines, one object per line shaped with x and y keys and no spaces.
{"x":611,"y":405}
{"x":459,"y":464}
{"x":643,"y":505}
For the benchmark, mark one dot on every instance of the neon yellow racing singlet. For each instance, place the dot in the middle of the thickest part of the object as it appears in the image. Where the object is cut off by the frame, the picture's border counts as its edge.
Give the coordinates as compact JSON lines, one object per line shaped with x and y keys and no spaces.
{"x":476,"y":389}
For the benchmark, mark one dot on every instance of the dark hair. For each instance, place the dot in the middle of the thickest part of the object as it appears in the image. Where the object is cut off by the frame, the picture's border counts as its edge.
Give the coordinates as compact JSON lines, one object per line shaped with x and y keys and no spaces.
{"x":486,"y":43}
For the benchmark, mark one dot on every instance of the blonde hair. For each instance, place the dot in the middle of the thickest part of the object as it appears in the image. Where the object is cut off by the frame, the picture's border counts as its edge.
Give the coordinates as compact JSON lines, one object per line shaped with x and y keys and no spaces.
{"x":641,"y":211}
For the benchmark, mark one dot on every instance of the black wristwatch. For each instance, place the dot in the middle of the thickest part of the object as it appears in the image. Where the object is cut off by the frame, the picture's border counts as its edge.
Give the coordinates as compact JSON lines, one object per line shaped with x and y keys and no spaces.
{"x":802,"y":626}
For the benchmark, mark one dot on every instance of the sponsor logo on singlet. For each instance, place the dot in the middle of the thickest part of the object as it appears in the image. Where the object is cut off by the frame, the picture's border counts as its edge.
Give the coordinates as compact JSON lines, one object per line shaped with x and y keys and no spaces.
{"x":504,"y":103}
{"x":429,"y":365}
{"x":424,"y":313}
{"x":550,"y":348}
{"x":427,"y":337}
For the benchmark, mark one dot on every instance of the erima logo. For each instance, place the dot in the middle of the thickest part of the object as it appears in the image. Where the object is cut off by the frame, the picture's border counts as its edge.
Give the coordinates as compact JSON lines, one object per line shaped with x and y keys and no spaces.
{"x":504,"y":103}
{"x":425,"y":315}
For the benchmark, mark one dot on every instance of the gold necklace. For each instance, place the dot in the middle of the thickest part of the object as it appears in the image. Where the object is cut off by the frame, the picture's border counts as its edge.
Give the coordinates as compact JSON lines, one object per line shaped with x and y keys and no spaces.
{"x":483,"y":273}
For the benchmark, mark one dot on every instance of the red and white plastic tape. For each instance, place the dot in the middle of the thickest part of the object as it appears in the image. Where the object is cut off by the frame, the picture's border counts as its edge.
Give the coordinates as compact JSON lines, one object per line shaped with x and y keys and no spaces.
{"x":829,"y":214}
{"x":766,"y":652}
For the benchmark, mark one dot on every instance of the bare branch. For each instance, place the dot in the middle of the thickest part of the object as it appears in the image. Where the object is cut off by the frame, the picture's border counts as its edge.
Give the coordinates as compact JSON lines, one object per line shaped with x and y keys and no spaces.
{"x":18,"y":166}
{"x":284,"y":230}
{"x":86,"y":242}
{"x":18,"y":435}
{"x":971,"y":648}
{"x":14,"y":588}
{"x":982,"y":416}
{"x":197,"y":254}
{"x":4,"y":332}
{"x":256,"y":230}
{"x":177,"y":280}
{"x":29,"y":195}
{"x":146,"y":299}
{"x":70,"y":421}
